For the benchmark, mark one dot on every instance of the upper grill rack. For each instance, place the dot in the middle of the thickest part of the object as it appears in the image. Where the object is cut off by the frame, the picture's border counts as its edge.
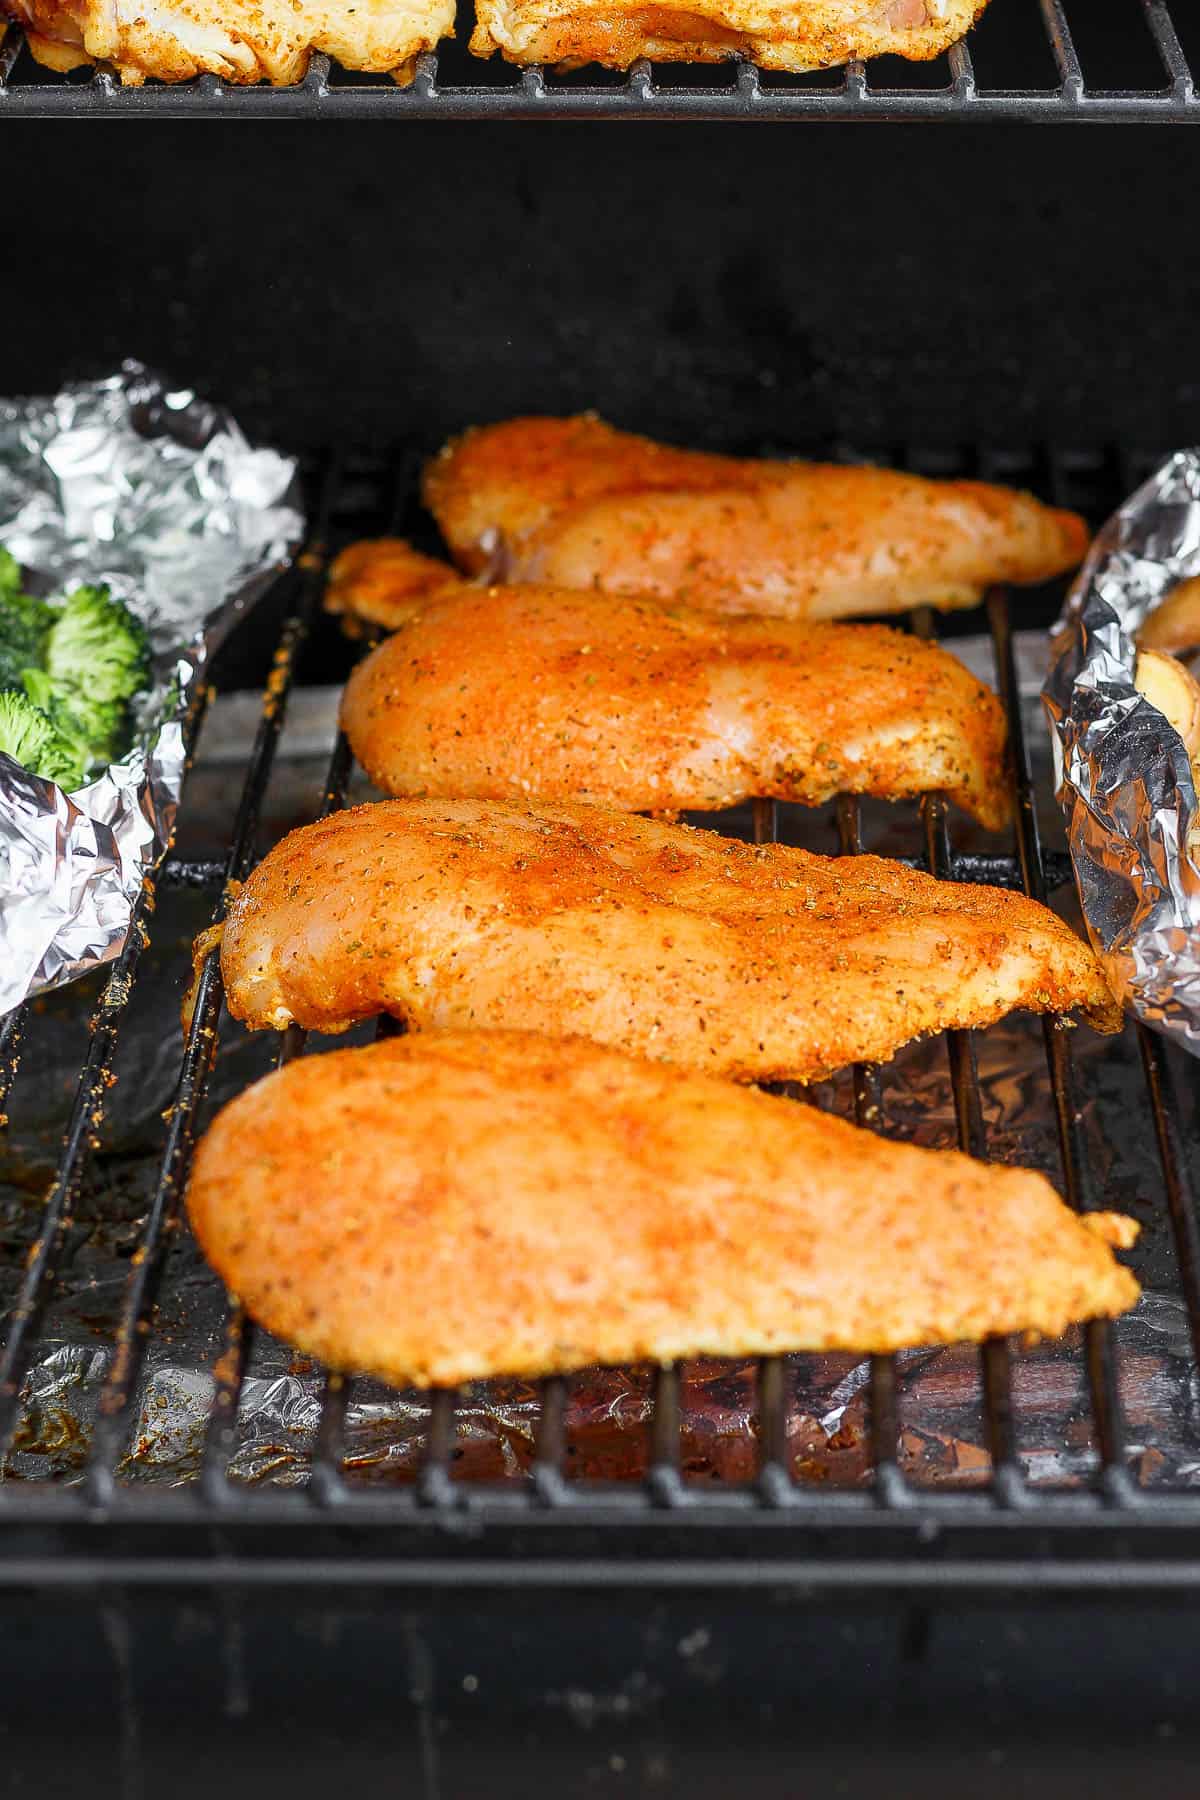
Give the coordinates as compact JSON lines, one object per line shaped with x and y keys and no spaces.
{"x":1106,"y":1532}
{"x":475,"y":90}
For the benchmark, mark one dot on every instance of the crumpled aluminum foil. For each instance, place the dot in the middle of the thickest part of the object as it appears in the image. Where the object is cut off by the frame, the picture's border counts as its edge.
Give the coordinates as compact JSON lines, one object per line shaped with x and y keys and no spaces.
{"x":1122,"y":773}
{"x":143,"y":486}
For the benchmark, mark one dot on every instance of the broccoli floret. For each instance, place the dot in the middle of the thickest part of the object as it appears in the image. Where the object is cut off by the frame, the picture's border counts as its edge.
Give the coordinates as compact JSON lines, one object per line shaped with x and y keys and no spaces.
{"x":97,"y":647}
{"x":10,"y":574}
{"x":103,"y":725}
{"x":97,"y":727}
{"x":31,"y":738}
{"x":79,"y":661}
{"x":24,"y":624}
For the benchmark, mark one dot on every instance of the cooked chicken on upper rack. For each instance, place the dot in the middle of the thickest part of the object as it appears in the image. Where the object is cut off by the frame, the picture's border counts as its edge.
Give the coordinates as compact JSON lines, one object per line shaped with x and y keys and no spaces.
{"x":757,"y":962}
{"x":574,"y":503}
{"x":541,"y":692}
{"x":438,"y":1210}
{"x":805,"y":34}
{"x":242,"y":41}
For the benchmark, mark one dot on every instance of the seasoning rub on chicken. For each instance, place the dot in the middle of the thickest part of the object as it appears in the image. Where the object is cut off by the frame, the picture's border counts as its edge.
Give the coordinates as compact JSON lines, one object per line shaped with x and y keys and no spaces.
{"x":576,"y":504}
{"x":437,"y":1210}
{"x":804,"y":34}
{"x":242,"y":41}
{"x":756,"y":962}
{"x":546,"y":693}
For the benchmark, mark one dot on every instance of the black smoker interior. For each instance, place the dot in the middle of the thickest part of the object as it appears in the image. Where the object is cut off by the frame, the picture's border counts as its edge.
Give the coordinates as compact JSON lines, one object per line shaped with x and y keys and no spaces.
{"x":939,"y":291}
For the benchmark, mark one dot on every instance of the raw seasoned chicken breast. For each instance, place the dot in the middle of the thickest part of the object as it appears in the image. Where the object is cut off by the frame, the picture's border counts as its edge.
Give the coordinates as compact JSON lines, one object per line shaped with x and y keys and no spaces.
{"x":242,"y":41}
{"x":436,"y":1210}
{"x":547,"y":693}
{"x":806,"y":34}
{"x":757,"y":962}
{"x":573,"y":503}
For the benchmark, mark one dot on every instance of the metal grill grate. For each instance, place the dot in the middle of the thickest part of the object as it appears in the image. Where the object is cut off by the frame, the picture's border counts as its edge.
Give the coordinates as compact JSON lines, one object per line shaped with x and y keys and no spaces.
{"x":1107,"y":1531}
{"x":1051,"y":84}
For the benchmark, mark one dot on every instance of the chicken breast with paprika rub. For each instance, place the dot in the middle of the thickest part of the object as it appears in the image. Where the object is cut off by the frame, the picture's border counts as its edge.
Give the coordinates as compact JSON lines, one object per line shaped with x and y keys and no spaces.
{"x":574,"y":503}
{"x":758,"y":962}
{"x":436,"y":1210}
{"x":546,"y":693}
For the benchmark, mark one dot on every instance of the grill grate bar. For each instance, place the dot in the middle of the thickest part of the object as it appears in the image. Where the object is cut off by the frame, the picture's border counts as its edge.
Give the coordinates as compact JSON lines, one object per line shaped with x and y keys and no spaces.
{"x":972,"y":1138}
{"x":11,"y":43}
{"x":1170,"y":50}
{"x":327,"y":1479}
{"x":744,"y":100}
{"x":221,"y":1434}
{"x":664,"y":1478}
{"x":890,"y":1485}
{"x":774,"y":1453}
{"x":436,"y":1487}
{"x":766,"y":821}
{"x":1063,"y":45}
{"x":337,"y":778}
{"x":426,"y":74}
{"x":1098,"y":1337}
{"x":775,"y":1463}
{"x":551,"y":1448}
{"x":326,"y":1482}
{"x":962,"y":74}
{"x":200,"y":1048}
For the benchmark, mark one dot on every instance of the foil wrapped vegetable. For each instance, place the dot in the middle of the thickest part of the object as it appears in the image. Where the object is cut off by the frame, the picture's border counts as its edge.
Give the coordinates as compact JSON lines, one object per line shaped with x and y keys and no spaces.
{"x":1123,"y":774}
{"x":144,"y":488}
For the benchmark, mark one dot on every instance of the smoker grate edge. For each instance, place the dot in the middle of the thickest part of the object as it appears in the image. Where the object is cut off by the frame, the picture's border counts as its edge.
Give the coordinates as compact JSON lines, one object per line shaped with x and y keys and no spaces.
{"x":646,"y":93}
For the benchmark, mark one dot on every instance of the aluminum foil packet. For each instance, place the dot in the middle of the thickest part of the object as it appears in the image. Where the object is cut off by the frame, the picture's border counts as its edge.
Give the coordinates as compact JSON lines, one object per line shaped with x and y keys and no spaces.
{"x":133,"y":483}
{"x":1122,"y":772}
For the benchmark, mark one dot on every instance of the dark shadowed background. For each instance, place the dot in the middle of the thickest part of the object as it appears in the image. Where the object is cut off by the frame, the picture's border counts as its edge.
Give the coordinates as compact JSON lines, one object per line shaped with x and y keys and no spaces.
{"x":740,"y":285}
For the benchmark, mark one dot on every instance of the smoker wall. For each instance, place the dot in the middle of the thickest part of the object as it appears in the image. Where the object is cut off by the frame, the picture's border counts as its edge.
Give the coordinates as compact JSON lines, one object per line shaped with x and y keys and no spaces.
{"x":722,"y":285}
{"x":567,"y":1697}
